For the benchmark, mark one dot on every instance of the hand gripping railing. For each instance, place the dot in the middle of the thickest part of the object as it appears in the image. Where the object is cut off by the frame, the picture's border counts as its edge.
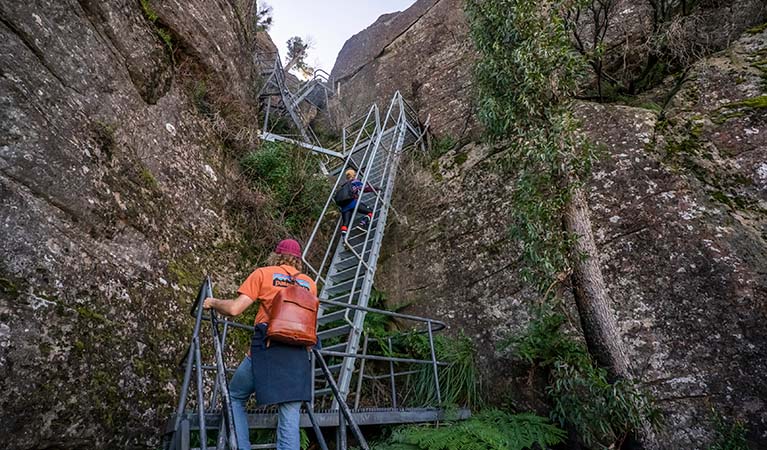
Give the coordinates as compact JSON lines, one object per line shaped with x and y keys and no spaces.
{"x":179,"y":432}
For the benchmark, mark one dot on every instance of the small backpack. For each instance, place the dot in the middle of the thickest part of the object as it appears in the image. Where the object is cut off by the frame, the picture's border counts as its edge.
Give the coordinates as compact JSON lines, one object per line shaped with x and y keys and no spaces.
{"x":293,"y":315}
{"x":344,"y":194}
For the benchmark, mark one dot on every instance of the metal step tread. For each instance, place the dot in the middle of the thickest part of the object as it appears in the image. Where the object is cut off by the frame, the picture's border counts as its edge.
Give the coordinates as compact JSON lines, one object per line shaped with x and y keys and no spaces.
{"x":335,"y":332}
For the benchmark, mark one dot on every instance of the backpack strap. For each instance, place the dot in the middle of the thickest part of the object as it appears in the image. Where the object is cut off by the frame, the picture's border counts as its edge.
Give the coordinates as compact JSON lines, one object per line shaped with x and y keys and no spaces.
{"x":293,"y":277}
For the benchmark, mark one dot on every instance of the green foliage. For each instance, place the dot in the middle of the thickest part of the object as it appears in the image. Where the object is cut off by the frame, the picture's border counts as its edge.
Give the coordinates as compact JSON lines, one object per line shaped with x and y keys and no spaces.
{"x":757,"y":29}
{"x":728,"y":436}
{"x":201,"y":98}
{"x":491,"y":430}
{"x":380,"y":326}
{"x":104,"y":134}
{"x":582,"y":397}
{"x":459,"y":381}
{"x":298,"y":50}
{"x":147,"y":178}
{"x":601,"y":412}
{"x":544,"y":344}
{"x":8,"y":287}
{"x":526,"y":78}
{"x":148,"y":11}
{"x":290,"y":175}
{"x":528,"y":70}
{"x":162,"y":32}
{"x":759,"y":102}
{"x":441,"y":146}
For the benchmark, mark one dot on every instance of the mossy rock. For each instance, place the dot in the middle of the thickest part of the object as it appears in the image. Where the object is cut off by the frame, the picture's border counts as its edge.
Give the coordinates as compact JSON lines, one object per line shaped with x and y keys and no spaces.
{"x":460,"y":159}
{"x":8,"y":287}
{"x":757,"y":29}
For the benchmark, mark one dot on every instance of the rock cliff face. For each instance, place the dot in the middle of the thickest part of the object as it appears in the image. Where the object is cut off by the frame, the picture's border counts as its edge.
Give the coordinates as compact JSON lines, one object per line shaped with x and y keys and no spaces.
{"x":678,"y":204}
{"x":119,"y":121}
{"x":427,"y":57}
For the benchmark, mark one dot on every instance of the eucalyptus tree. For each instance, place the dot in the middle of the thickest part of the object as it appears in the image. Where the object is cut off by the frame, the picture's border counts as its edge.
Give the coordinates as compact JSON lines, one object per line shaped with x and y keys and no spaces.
{"x":527,"y":76}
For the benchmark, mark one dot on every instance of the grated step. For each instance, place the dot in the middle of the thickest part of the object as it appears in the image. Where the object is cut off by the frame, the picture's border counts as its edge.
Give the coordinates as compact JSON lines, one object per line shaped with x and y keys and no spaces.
{"x":331,"y":317}
{"x":345,"y":286}
{"x":349,"y":259}
{"x":335,"y":368}
{"x":334,"y":332}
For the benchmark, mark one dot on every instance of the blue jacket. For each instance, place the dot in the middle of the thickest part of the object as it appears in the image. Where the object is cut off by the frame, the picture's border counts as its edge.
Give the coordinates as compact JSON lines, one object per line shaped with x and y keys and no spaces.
{"x":281,"y":372}
{"x":356,"y":188}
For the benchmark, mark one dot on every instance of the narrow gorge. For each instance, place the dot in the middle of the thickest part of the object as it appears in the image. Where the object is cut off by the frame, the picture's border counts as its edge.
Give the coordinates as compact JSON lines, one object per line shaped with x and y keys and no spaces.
{"x":125,"y":126}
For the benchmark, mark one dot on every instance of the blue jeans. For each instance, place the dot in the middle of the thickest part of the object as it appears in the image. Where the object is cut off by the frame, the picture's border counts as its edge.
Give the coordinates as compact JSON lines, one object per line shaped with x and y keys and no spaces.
{"x":240,"y":389}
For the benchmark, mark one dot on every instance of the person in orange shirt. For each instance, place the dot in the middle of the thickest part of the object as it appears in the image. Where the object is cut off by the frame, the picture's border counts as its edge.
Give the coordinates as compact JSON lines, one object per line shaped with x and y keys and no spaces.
{"x":277,"y":373}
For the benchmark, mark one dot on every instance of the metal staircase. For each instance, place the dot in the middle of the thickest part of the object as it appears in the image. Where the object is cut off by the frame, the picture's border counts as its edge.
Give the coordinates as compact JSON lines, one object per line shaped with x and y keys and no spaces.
{"x":347,"y":270}
{"x":278,"y":100}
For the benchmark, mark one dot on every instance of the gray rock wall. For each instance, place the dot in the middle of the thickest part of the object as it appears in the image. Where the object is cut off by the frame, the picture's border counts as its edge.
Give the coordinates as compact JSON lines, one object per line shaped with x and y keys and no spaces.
{"x":429,"y":62}
{"x":116,"y":186}
{"x":678,"y":205}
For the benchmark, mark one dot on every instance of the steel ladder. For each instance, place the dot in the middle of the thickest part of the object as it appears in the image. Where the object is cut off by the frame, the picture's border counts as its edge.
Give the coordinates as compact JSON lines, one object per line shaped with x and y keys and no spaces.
{"x":348,"y":267}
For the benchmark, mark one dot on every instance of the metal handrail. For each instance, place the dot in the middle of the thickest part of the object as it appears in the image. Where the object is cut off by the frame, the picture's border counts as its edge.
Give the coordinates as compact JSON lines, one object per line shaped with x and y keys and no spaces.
{"x":354,"y":148}
{"x":374,"y":113}
{"x":383,"y":155}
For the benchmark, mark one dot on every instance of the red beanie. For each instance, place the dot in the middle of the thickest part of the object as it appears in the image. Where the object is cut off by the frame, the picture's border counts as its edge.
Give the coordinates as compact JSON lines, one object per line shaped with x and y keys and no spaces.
{"x":288,"y":247}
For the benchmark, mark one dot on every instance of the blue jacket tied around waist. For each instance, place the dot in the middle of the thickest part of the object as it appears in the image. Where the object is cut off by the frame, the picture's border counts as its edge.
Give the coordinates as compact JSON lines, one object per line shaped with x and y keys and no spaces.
{"x":281,"y":372}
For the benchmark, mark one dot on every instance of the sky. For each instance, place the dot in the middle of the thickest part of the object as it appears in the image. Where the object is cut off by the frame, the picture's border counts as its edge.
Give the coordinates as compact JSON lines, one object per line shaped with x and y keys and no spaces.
{"x":328,"y":23}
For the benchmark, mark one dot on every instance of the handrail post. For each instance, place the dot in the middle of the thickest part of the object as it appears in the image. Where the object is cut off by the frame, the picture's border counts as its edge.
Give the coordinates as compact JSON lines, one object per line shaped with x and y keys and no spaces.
{"x":342,"y":439}
{"x":361,"y":374}
{"x":228,"y":412}
{"x":200,"y":398}
{"x":197,"y":313}
{"x":434,"y":364}
{"x":315,"y":426}
{"x":391,"y":378}
{"x":342,"y":406}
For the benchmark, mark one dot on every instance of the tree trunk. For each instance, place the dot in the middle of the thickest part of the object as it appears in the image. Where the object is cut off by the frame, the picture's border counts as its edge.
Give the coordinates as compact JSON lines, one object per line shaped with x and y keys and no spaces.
{"x":290,"y":64}
{"x":591,"y":296}
{"x":593,"y":301}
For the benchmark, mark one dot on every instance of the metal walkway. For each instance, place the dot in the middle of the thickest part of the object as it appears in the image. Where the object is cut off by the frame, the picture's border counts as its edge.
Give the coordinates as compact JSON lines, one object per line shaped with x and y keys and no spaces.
{"x":280,"y":103}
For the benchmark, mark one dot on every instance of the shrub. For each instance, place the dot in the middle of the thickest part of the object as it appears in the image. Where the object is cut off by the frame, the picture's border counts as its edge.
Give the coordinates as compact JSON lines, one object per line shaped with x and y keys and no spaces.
{"x":728,"y":436}
{"x":290,"y":175}
{"x":602,"y":413}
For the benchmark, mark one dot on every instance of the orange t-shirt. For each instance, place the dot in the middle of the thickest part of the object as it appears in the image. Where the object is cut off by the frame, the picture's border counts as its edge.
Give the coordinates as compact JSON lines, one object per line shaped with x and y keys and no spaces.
{"x":264,"y":284}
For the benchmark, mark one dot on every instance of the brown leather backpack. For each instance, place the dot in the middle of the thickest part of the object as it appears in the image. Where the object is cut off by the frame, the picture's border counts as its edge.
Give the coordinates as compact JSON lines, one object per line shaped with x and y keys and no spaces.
{"x":293,"y":316}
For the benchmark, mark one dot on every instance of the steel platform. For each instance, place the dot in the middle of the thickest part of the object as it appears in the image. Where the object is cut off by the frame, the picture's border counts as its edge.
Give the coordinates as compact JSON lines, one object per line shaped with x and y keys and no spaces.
{"x":267,"y":418}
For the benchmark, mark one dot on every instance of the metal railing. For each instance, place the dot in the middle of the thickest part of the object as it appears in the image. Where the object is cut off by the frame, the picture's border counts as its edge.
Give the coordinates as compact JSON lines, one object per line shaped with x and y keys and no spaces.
{"x":178,"y":437}
{"x":373,"y":147}
{"x":275,"y":85}
{"x":213,"y":405}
